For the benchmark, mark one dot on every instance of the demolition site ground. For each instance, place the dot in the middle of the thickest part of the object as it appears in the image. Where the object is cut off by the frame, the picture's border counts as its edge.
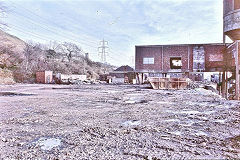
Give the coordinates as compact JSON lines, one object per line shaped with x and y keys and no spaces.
{"x":116,"y":122}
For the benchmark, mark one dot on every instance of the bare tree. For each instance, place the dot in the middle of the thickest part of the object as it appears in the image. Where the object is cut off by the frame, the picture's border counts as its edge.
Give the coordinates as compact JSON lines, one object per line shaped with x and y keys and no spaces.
{"x":53,"y":50}
{"x":71,"y":50}
{"x":34,"y":57}
{"x":9,"y":58}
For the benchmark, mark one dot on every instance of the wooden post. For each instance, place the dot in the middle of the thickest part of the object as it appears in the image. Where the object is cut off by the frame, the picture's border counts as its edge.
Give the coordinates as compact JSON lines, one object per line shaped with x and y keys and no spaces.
{"x":224,"y":84}
{"x":237,"y":72}
{"x":178,"y":83}
{"x":220,"y":88}
{"x":159,"y":83}
{"x":162,"y":59}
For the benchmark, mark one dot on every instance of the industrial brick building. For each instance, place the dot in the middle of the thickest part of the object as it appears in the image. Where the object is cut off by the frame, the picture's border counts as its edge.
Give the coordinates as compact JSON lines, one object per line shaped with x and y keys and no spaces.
{"x":192,"y":60}
{"x":182,"y":60}
{"x":44,"y":77}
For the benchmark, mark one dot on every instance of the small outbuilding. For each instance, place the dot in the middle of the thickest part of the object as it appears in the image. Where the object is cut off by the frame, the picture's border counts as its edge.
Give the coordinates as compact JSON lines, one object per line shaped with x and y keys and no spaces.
{"x":123,"y":74}
{"x":44,"y":77}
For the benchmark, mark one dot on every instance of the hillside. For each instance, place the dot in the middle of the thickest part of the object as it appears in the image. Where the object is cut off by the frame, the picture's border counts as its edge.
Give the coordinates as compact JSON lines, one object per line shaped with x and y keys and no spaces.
{"x":10,"y":46}
{"x":11,"y":41}
{"x":19,"y":61}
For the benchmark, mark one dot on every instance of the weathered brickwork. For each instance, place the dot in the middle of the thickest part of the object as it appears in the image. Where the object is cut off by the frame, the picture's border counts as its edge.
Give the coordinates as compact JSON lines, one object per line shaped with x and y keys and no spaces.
{"x":231,"y":53}
{"x":152,"y":51}
{"x":214,"y":57}
{"x":44,"y":76}
{"x":175,"y":51}
{"x":211,"y":57}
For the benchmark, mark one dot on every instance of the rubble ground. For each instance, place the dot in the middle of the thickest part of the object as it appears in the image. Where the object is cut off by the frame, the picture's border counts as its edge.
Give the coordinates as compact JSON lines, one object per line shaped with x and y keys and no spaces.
{"x":116,"y":122}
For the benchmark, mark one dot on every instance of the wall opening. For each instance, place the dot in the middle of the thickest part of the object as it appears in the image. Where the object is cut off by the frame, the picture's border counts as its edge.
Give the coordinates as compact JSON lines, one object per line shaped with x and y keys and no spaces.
{"x":175,"y":63}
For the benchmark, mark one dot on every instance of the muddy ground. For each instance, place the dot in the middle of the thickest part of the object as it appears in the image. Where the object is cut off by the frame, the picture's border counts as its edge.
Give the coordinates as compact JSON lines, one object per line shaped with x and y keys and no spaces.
{"x":116,"y":122}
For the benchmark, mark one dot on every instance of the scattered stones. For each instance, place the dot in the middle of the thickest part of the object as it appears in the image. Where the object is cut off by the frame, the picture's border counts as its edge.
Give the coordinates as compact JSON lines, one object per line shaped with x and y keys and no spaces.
{"x":4,"y":139}
{"x":116,"y":122}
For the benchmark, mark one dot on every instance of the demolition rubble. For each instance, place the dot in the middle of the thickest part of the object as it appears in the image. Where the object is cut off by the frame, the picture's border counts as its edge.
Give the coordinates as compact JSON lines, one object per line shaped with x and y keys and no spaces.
{"x":104,"y":121}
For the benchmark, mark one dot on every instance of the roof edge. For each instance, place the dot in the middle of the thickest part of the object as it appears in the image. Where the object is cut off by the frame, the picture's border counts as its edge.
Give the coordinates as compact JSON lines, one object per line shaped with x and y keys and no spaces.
{"x":180,"y":44}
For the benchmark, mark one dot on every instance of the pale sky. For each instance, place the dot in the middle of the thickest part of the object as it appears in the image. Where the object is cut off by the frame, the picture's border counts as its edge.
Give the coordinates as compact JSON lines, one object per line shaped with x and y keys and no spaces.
{"x":123,"y":23}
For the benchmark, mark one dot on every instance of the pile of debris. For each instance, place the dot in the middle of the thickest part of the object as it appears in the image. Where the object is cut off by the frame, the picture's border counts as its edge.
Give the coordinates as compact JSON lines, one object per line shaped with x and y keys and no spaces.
{"x":204,"y":84}
{"x":6,"y":77}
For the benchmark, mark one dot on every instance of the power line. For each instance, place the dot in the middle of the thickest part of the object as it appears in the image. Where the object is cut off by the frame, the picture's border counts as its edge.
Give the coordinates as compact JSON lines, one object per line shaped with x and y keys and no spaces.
{"x":103,"y":54}
{"x":41,"y":25}
{"x":67,"y":18}
{"x":44,"y":20}
{"x":31,"y":33}
{"x":55,"y":32}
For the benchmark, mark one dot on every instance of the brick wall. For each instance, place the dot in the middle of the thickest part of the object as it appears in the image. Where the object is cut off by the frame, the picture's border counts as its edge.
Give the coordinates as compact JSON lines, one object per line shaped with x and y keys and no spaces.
{"x":149,"y":52}
{"x":175,"y":51}
{"x":213,"y":56}
{"x":44,"y":76}
{"x":40,"y":77}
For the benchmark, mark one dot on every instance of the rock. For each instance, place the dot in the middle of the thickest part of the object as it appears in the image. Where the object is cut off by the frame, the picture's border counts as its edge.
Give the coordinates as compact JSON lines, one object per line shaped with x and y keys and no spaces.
{"x":4,"y":139}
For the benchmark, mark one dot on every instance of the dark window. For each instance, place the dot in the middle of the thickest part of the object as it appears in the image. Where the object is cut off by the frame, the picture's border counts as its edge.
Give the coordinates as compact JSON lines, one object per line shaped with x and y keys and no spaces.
{"x":237,"y":4}
{"x":175,"y":63}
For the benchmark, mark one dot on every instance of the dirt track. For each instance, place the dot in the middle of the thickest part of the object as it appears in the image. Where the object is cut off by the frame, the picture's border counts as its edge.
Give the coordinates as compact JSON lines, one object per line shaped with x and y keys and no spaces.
{"x":116,"y":122}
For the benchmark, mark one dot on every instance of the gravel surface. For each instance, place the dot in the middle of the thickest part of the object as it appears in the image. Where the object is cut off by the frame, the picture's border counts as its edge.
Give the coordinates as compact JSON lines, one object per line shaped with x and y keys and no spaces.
{"x":116,"y":122}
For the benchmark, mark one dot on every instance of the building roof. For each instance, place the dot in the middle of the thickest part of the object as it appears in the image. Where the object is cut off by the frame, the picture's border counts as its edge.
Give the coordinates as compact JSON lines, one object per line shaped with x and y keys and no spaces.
{"x":124,"y":68}
{"x":179,"y":45}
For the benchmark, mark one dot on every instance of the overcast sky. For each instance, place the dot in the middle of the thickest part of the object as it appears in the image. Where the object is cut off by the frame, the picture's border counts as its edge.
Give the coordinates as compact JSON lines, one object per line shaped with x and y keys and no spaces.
{"x":123,"y":23}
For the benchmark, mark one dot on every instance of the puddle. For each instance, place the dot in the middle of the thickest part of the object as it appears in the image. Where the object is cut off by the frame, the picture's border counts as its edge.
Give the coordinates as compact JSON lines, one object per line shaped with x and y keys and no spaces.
{"x":28,"y":109}
{"x":220,"y":121}
{"x":162,"y":102}
{"x":130,"y":102}
{"x":131,"y":123}
{"x":172,"y":120}
{"x":189,"y":112}
{"x":187,"y":123}
{"x":183,"y":112}
{"x":11,"y":94}
{"x":204,"y":118}
{"x":178,"y":133}
{"x":223,"y":106}
{"x":48,"y":143}
{"x":209,"y":112}
{"x":111,"y":101}
{"x":99,"y":106}
{"x":131,"y":99}
{"x":201,"y":133}
{"x":196,"y":104}
{"x":112,"y":91}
